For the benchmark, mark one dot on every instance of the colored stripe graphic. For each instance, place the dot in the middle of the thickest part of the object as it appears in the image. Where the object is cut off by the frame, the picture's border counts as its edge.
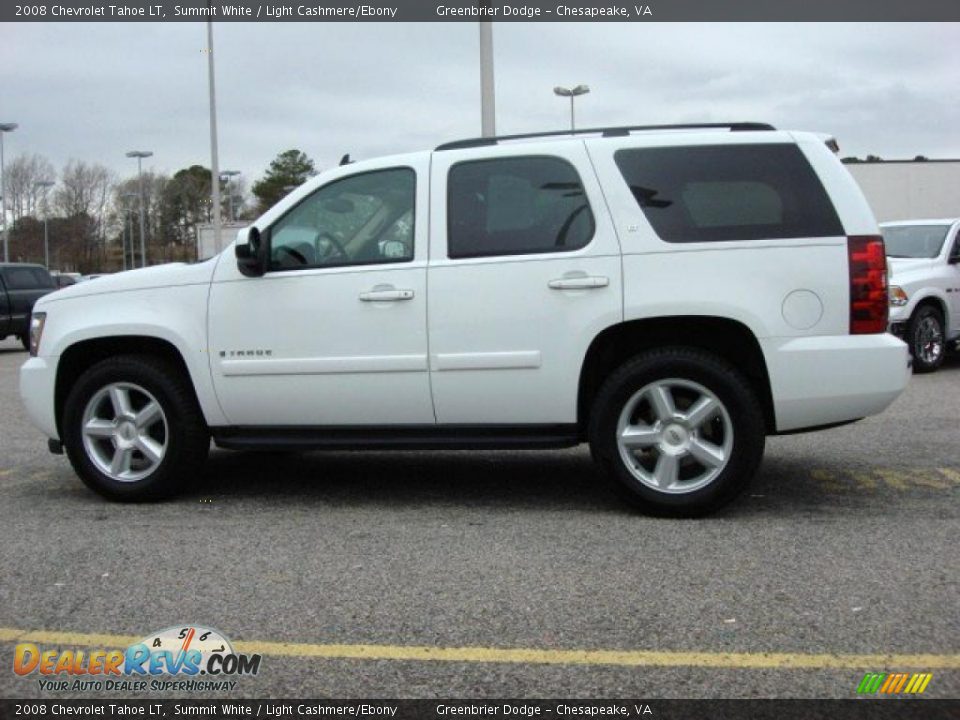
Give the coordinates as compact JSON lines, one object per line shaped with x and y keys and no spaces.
{"x":894,"y":683}
{"x":871,"y":683}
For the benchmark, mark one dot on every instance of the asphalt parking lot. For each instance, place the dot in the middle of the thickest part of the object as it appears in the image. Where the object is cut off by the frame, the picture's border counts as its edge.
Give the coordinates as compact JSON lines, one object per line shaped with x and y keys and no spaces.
{"x":485,"y":574}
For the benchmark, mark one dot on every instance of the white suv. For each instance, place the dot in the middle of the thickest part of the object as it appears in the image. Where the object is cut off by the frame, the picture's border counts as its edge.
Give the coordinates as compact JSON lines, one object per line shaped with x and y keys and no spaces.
{"x":670,"y":295}
{"x":924,"y":260}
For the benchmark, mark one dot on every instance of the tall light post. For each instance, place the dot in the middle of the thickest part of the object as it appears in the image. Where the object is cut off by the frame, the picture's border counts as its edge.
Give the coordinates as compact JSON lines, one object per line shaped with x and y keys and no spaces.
{"x":4,"y":128}
{"x":488,"y":114}
{"x":228,"y":174}
{"x":128,"y":229}
{"x":214,"y":161}
{"x":571,"y":93}
{"x":140,"y":155}
{"x":46,"y":185}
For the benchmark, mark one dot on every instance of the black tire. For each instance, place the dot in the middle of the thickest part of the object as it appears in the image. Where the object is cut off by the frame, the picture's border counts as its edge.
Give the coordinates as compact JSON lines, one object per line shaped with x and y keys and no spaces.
{"x":697,"y":368}
{"x":928,"y":352}
{"x":25,"y":341}
{"x":186,"y":436}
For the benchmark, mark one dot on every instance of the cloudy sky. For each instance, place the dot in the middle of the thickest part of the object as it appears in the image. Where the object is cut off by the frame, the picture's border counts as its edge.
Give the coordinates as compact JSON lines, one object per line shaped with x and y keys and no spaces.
{"x":92,"y":91}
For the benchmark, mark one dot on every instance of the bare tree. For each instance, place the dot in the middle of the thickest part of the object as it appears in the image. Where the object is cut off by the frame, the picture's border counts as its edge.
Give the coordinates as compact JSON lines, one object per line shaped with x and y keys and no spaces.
{"x":24,"y":197}
{"x":81,"y":199}
{"x":126,"y":200}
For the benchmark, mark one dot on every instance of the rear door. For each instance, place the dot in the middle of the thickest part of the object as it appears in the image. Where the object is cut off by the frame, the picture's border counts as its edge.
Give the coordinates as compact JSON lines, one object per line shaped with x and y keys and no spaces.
{"x":524,"y":272}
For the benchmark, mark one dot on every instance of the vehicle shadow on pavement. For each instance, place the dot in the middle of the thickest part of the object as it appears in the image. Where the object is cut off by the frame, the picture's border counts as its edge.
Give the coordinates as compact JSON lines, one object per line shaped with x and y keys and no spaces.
{"x":556,"y":480}
{"x":567,"y":480}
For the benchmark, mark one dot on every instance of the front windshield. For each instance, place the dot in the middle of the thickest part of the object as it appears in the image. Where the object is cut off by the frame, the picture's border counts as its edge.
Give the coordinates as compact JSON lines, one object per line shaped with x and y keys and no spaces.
{"x":914,"y":241}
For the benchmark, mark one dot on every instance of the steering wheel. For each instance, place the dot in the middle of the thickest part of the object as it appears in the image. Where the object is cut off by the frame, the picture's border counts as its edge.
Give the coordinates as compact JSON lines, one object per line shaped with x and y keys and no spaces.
{"x":333,"y":242}
{"x":295,"y":254}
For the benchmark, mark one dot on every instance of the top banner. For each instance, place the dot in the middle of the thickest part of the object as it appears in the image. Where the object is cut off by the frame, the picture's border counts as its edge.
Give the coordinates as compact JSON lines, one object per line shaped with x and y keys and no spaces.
{"x":465,"y":10}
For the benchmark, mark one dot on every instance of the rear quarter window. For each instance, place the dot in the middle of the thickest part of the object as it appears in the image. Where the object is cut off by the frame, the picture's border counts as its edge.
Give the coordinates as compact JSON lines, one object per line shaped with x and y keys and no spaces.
{"x":717,"y":193}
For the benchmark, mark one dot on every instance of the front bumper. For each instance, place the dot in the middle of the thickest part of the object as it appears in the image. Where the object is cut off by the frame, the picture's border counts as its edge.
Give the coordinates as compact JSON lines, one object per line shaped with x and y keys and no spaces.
{"x":38,"y":377}
{"x":824,"y":380}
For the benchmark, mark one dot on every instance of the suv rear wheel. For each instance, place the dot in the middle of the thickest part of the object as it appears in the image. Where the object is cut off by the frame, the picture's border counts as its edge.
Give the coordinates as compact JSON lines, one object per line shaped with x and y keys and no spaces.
{"x":133,"y":430}
{"x":680,"y":430}
{"x":926,"y":339}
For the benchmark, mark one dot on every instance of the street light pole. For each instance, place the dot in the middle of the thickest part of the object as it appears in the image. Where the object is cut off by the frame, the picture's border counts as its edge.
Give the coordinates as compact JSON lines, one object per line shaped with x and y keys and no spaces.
{"x":214,"y":161}
{"x":46,"y":185}
{"x":228,"y":174}
{"x":488,"y":114}
{"x":128,"y":225}
{"x":571,"y":93}
{"x":4,"y":128}
{"x":140,"y":155}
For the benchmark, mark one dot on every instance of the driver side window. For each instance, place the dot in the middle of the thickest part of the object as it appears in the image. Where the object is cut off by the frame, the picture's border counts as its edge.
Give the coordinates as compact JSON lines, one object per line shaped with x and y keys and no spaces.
{"x":357,"y":220}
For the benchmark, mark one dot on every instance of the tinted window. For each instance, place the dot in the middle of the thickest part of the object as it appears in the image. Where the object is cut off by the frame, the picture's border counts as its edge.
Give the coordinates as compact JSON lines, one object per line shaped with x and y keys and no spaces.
{"x":728,"y":192}
{"x":361,"y":219}
{"x":914,"y":241}
{"x":26,"y":278}
{"x":516,"y":206}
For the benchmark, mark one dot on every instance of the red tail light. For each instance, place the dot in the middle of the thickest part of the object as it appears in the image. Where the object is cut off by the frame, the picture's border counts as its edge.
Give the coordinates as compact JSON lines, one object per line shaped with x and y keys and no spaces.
{"x":868,"y":284}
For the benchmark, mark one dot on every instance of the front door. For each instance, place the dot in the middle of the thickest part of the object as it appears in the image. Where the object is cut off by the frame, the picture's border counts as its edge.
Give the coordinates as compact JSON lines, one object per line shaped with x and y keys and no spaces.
{"x":953,"y":284}
{"x":335,"y":332}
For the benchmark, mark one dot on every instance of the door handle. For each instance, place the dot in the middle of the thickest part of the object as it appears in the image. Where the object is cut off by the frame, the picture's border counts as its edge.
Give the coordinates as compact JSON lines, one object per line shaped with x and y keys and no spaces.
{"x":386,"y":293}
{"x":579,"y":282}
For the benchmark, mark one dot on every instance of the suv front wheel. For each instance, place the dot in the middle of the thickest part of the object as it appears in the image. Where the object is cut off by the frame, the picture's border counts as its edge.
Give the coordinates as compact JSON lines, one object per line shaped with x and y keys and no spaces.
{"x":680,"y":430}
{"x":133,"y":430}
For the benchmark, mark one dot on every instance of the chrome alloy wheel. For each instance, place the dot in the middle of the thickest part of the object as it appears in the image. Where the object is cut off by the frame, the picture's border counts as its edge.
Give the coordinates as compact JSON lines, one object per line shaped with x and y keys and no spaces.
{"x":675,"y":436}
{"x":125,"y":432}
{"x":928,"y":341}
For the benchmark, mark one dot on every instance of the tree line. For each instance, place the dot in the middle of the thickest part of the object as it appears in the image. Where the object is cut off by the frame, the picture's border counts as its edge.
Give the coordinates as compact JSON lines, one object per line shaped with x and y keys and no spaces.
{"x":93,"y":218}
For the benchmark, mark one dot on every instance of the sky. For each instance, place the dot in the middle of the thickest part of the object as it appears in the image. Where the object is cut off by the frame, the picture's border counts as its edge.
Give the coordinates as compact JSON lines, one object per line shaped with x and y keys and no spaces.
{"x":93,"y":91}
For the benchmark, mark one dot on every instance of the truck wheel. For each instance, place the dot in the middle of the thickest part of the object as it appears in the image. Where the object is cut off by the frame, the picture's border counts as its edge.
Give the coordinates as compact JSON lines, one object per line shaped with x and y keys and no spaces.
{"x":926,"y":340}
{"x":133,"y":430}
{"x":680,"y":431}
{"x":25,"y":341}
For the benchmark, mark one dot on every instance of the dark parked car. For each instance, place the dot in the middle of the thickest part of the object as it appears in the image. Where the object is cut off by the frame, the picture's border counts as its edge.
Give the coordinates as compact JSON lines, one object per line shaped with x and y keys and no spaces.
{"x":21,"y":285}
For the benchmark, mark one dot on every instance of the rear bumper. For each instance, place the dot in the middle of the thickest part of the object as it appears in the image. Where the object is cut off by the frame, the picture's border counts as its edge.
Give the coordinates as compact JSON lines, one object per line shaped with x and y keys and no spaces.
{"x":37,"y":382}
{"x":834,"y":379}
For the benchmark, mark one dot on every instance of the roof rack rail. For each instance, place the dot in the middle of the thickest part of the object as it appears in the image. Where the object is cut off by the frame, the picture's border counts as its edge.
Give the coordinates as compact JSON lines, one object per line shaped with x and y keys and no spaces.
{"x":604,"y":131}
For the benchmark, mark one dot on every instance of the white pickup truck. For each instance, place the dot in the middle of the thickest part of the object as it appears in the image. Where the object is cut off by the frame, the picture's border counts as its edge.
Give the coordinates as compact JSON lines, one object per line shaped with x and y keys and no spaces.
{"x":669,"y":294}
{"x":924,"y":261}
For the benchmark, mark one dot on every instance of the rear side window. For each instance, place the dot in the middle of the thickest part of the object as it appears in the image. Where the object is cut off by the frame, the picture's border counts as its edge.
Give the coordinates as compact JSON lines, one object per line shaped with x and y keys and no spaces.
{"x":728,"y":192}
{"x":27,"y":278}
{"x":516,"y":206}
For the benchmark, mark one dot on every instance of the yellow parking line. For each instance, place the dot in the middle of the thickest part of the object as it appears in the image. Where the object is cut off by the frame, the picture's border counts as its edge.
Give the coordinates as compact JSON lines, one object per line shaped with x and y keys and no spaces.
{"x":951,"y":474}
{"x":531,"y":656}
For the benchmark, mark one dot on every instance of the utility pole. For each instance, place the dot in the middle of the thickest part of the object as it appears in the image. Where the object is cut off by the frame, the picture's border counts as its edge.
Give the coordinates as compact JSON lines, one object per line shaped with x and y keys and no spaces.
{"x":214,"y":161}
{"x":488,"y":113}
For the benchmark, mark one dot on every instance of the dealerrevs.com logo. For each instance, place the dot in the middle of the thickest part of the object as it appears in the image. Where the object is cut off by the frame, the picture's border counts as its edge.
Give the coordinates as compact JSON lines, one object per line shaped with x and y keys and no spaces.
{"x":191,"y":658}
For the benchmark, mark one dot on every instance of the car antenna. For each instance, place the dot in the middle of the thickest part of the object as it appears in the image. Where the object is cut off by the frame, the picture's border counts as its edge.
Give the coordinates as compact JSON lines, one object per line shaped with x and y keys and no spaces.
{"x":345,"y":160}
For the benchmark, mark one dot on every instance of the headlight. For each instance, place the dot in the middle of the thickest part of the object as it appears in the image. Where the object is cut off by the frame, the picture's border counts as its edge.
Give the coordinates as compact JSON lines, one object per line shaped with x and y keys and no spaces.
{"x":37,"y":321}
{"x":898,"y":297}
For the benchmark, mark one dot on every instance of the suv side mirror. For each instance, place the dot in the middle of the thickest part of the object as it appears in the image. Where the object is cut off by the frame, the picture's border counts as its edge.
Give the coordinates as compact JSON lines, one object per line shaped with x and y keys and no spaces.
{"x":251,"y":252}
